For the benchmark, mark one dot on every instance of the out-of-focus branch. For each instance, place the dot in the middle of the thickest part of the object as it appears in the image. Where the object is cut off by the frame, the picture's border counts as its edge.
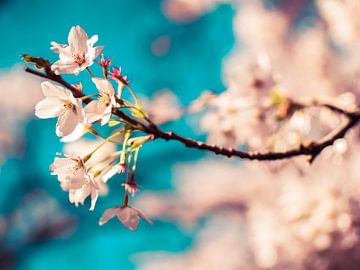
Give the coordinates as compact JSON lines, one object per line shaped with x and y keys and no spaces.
{"x":311,"y":149}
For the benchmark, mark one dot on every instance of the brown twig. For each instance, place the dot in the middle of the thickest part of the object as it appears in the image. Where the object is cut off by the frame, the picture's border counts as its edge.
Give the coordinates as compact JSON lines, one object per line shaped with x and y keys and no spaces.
{"x":311,"y":150}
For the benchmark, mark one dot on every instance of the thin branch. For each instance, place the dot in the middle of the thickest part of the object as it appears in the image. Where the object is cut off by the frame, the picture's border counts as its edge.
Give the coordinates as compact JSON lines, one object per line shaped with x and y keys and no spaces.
{"x":311,"y":150}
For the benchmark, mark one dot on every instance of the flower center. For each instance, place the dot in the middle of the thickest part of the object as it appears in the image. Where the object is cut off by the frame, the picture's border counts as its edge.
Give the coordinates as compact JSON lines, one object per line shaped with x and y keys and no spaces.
{"x":104,"y":99}
{"x":79,"y":58}
{"x":68,"y":105}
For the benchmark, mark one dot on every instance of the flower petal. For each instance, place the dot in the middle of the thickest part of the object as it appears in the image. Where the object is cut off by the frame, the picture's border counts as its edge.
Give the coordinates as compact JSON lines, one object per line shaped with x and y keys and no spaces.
{"x":78,"y":196}
{"x":67,"y":122}
{"x":78,"y":40}
{"x":94,"y":111}
{"x":48,"y":108}
{"x":62,"y":49}
{"x":106,"y":115}
{"x":94,"y":197}
{"x":129,"y":217}
{"x":108,"y":214}
{"x":104,"y":86}
{"x":142,"y":215}
{"x":65,"y":67}
{"x":51,"y":90}
{"x":77,"y":133}
{"x":91,"y":41}
{"x":98,"y":50}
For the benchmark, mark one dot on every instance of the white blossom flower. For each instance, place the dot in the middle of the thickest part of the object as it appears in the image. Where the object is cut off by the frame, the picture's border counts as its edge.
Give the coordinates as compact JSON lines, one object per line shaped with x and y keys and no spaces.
{"x":71,"y":172}
{"x":78,"y":55}
{"x":60,"y":102}
{"x":75,"y":178}
{"x":128,"y":215}
{"x":101,"y":108}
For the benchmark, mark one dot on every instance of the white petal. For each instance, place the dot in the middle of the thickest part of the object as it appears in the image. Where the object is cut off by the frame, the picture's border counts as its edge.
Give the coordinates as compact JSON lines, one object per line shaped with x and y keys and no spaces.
{"x":78,"y":40}
{"x":104,"y":86}
{"x":92,"y":40}
{"x":51,"y":90}
{"x":48,"y":107}
{"x":78,"y":196}
{"x":106,"y":115}
{"x":94,"y":197}
{"x":62,"y":49}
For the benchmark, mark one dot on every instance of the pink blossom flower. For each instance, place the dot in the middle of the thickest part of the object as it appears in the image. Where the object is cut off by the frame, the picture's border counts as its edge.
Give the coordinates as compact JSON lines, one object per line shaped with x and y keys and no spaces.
{"x":78,"y":55}
{"x":128,"y":215}
{"x":60,"y":102}
{"x":101,"y":108}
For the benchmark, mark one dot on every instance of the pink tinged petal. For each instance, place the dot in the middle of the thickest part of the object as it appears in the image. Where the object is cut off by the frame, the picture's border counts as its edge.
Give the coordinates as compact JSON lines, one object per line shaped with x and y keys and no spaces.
{"x":78,"y":40}
{"x":129,"y":217}
{"x":67,"y":122}
{"x":94,"y":111}
{"x":104,"y":86}
{"x":78,"y":132}
{"x":49,"y":107}
{"x":142,"y":215}
{"x":108,"y":214}
{"x":63,"y":166}
{"x":98,"y":50}
{"x":61,"y":67}
{"x":77,"y":180}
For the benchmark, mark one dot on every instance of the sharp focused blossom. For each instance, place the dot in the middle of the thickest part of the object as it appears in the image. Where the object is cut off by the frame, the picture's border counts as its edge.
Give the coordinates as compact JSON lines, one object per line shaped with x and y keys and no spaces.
{"x":101,"y":108}
{"x":78,"y":55}
{"x":60,"y":102}
{"x":128,"y":215}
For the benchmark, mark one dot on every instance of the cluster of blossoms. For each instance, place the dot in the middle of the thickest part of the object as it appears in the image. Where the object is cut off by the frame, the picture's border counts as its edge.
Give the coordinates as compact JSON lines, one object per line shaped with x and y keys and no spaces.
{"x":84,"y":173}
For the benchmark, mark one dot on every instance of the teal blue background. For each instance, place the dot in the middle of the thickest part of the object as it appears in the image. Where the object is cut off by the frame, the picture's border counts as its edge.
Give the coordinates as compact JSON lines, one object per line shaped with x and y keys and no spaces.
{"x":127,"y":29}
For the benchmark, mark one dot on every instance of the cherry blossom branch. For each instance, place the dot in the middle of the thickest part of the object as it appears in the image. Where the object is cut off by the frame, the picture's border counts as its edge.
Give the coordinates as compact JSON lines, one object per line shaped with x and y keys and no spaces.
{"x":311,"y":149}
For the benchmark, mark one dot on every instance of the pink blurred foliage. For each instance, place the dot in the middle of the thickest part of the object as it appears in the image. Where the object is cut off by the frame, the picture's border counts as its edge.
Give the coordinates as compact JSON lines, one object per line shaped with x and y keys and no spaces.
{"x":272,"y":215}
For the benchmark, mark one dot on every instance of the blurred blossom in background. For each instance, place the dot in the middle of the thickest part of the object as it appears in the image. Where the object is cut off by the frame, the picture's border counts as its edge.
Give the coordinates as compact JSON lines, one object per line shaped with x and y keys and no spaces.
{"x":231,"y":57}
